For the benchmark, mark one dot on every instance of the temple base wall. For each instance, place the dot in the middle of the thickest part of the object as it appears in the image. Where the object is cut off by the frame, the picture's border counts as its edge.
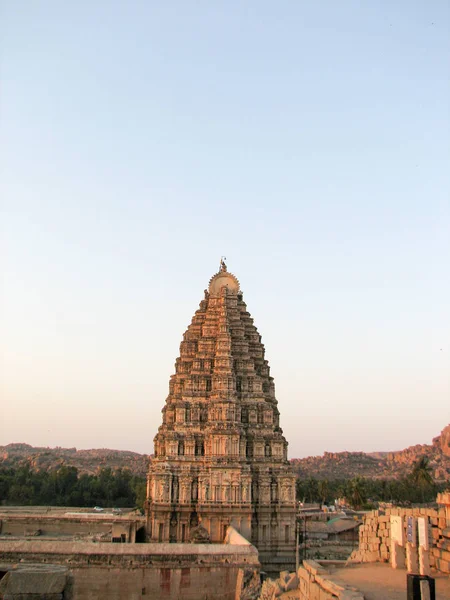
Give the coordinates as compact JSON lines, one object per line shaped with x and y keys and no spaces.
{"x":271,"y":529}
{"x":163,"y":571}
{"x":166,"y":524}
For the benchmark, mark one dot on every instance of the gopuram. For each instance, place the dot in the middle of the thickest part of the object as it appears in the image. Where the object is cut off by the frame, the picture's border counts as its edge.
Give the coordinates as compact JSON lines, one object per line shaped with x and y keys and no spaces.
{"x":220,"y":456}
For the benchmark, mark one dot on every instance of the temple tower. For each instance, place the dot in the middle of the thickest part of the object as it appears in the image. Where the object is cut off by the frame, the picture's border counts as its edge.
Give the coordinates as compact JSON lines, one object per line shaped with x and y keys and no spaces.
{"x":220,"y":456}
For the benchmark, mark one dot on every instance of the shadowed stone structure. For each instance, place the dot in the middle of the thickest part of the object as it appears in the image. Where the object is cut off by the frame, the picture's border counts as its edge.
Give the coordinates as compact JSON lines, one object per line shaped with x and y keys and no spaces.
{"x":220,"y":455}
{"x":100,"y":571}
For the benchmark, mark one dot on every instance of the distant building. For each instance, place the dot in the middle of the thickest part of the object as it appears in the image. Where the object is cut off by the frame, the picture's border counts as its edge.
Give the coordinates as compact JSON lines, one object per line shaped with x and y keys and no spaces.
{"x":220,"y":455}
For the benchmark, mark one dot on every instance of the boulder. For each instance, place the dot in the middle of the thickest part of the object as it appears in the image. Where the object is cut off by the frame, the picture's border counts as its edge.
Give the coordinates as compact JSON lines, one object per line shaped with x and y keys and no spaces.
{"x":445,"y":440}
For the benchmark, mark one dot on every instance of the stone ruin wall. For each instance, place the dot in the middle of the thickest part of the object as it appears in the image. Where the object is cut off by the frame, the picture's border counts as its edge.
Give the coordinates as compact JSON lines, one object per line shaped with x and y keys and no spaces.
{"x":139,"y":571}
{"x":375,"y":533}
{"x":80,"y":527}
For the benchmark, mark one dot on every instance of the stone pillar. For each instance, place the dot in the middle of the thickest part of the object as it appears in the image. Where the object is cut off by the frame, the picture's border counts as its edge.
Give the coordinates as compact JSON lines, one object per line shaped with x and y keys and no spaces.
{"x":412,"y":558}
{"x":424,"y":562}
{"x":424,"y":546}
{"x":398,"y":556}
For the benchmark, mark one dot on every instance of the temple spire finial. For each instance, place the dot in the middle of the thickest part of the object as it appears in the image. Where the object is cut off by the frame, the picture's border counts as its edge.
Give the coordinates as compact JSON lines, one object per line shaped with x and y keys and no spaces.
{"x":223,"y":266}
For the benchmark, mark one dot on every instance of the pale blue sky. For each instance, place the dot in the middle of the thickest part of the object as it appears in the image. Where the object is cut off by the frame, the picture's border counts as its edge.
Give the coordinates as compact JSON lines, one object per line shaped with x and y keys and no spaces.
{"x":306,"y":141}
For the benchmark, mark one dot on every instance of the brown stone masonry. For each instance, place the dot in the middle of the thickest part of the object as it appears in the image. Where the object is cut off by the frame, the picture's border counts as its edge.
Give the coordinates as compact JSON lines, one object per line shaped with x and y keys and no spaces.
{"x":220,"y":455}
{"x":375,"y":533}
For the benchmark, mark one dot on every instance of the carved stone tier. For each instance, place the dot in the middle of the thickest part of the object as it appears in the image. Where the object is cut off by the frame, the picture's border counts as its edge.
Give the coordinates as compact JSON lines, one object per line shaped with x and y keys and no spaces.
{"x":220,"y":454}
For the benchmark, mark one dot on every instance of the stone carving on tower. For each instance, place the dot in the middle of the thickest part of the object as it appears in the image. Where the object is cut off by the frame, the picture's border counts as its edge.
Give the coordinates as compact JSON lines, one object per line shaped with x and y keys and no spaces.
{"x":220,"y":456}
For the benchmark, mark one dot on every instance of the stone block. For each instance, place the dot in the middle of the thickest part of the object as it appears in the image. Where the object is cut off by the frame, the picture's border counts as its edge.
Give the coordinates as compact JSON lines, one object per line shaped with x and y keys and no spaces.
{"x":412,"y":558}
{"x":443,"y":565}
{"x":302,"y":573}
{"x":324,"y":595}
{"x":304,"y":589}
{"x":314,"y":591}
{"x":398,"y":556}
{"x":313,"y":567}
{"x":292,"y":582}
{"x":371,"y":557}
{"x":445,"y":554}
{"x":329,"y":585}
{"x":351,"y":595}
{"x":278,"y":588}
{"x":33,"y":582}
{"x":267,"y":590}
{"x":424,"y":561}
{"x":397,"y":530}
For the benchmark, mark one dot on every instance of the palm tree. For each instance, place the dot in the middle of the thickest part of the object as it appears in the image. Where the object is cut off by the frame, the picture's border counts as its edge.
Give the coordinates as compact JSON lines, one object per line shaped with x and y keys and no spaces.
{"x":422,"y":475}
{"x":322,"y":488}
{"x":356,"y":492}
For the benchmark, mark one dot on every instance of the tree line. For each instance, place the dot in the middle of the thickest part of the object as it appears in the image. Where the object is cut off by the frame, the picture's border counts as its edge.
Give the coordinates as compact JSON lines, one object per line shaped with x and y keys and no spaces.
{"x":120,"y":488}
{"x":67,"y":487}
{"x":418,"y":486}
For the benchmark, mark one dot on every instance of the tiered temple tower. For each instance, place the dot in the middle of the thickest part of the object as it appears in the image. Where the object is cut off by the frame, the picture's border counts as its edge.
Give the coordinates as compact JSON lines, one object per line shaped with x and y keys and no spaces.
{"x":220,"y":456}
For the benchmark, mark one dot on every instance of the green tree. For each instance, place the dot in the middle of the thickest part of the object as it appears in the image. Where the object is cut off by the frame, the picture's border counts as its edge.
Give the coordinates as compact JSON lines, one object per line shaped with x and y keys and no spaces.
{"x":140,"y":491}
{"x":356,"y":493}
{"x":311,"y":491}
{"x":422,"y":477}
{"x":323,"y":490}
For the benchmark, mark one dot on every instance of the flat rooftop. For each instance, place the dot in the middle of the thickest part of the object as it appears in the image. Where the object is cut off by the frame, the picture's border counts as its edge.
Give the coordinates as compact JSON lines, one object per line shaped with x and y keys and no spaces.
{"x":64,"y":512}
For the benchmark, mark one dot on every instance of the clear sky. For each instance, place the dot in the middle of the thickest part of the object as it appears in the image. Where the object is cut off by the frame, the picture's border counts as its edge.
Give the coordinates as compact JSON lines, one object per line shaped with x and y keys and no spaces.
{"x":306,"y":141}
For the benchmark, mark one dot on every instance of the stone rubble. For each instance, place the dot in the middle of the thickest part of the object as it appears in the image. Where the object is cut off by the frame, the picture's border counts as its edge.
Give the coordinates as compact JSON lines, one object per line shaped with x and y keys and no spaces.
{"x":311,"y":582}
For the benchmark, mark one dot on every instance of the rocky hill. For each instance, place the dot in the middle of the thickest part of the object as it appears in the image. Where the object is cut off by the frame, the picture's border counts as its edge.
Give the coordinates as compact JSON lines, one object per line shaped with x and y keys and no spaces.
{"x":379,"y":465}
{"x":332,"y":465}
{"x":86,"y":461}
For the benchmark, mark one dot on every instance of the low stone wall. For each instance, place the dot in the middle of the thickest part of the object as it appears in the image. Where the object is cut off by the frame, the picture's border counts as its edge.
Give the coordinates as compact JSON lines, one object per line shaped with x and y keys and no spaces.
{"x":375,"y":534}
{"x":311,"y":582}
{"x":137,"y":571}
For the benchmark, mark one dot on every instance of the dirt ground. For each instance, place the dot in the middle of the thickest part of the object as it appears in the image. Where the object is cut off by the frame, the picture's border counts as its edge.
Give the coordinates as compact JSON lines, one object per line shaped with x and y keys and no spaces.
{"x":379,"y":581}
